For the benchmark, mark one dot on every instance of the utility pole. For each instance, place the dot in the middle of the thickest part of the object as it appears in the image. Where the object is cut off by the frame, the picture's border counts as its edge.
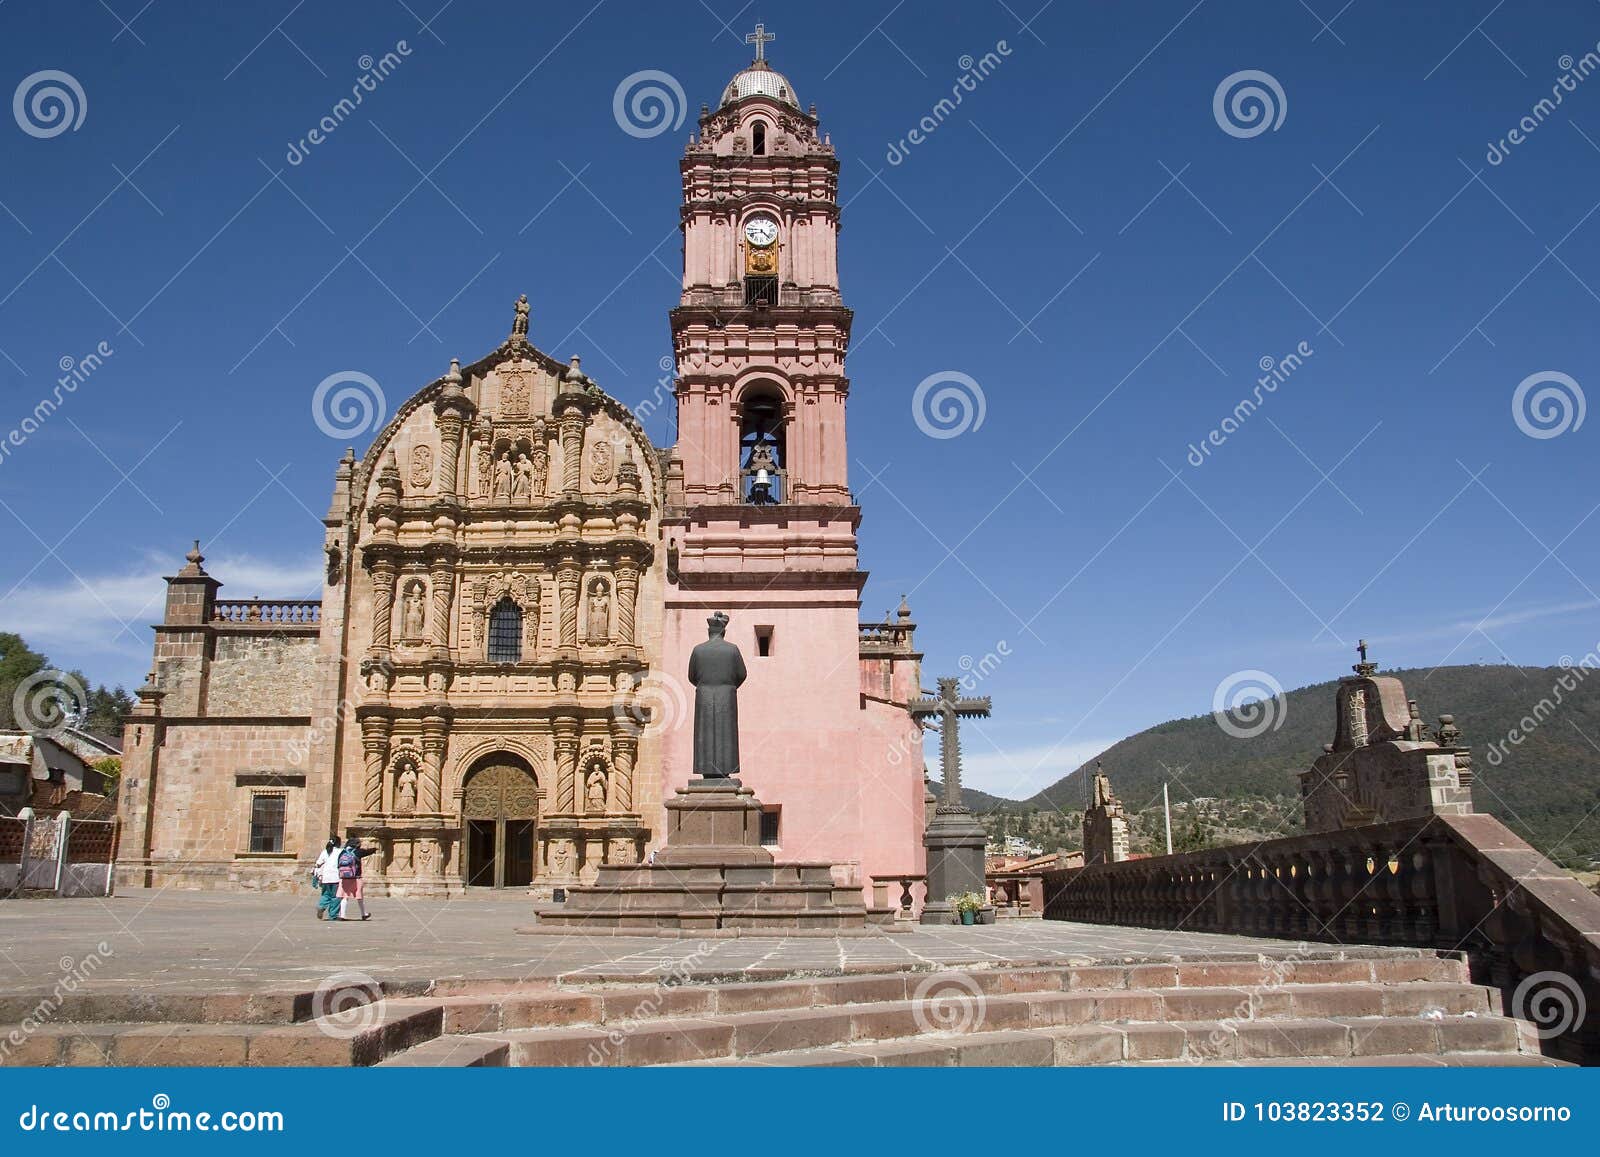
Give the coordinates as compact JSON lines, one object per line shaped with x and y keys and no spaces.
{"x":1166,"y":807}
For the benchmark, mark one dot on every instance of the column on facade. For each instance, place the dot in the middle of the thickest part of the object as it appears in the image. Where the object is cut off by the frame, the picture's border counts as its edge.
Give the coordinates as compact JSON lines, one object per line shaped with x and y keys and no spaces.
{"x":375,"y":753}
{"x":566,"y":748}
{"x":624,"y":749}
{"x":382,"y":569}
{"x":435,"y":733}
{"x":442,"y":576}
{"x":449,"y":454}
{"x":572,"y":424}
{"x":569,"y":580}
{"x":627,"y":592}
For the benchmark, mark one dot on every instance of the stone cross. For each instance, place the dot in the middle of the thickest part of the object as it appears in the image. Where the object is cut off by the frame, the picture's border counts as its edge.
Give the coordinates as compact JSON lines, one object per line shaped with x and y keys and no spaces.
{"x":760,"y":38}
{"x":950,"y":708}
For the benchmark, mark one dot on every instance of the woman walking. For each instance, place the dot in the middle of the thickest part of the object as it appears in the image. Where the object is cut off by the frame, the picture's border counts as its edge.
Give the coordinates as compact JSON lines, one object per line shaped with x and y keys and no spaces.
{"x":349,"y":870}
{"x":326,"y":877}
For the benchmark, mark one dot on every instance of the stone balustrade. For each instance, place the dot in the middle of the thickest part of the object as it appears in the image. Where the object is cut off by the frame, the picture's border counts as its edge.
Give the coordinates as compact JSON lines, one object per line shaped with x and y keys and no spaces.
{"x":267,"y":612}
{"x":1460,"y":883}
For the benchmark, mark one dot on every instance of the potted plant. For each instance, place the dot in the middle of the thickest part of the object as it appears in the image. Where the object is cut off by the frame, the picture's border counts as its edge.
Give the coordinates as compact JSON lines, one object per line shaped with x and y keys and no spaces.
{"x":968,"y":905}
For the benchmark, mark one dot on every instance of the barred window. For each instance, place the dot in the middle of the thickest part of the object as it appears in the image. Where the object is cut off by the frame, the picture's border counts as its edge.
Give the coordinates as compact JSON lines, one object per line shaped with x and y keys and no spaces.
{"x":266,"y":823}
{"x":505,"y":632}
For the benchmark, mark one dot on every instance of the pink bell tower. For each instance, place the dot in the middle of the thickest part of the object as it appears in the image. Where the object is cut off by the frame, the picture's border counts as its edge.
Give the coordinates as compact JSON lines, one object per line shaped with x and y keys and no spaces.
{"x":761,"y":523}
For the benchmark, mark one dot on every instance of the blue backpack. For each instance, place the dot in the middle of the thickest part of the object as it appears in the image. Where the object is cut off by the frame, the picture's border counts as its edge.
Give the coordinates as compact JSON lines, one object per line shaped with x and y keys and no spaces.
{"x":349,"y":864}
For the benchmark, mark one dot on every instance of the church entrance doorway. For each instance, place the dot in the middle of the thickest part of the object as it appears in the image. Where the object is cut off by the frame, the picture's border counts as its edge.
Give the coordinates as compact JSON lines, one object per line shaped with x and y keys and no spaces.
{"x":499,"y":812}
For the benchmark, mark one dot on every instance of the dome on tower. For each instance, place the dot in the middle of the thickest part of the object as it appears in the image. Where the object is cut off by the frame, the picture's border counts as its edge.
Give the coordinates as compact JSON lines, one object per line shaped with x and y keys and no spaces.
{"x":760,"y":79}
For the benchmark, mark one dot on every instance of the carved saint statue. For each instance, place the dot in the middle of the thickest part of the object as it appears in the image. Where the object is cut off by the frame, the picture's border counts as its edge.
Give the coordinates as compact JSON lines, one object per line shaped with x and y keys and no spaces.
{"x":539,"y":469}
{"x":405,"y":792}
{"x":416,"y":616}
{"x":522,"y":485}
{"x":599,"y":624}
{"x":502,"y":476}
{"x":485,"y":472}
{"x":597,"y":793}
{"x":716,"y":669}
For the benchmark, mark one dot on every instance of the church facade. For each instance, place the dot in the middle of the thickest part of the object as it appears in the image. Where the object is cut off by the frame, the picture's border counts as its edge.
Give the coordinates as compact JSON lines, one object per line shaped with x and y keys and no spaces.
{"x":492,"y":688}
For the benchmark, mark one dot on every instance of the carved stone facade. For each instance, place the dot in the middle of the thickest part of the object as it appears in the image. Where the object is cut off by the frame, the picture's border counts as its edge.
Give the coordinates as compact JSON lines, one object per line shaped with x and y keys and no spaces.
{"x":1384,"y":763}
{"x":491,"y":615}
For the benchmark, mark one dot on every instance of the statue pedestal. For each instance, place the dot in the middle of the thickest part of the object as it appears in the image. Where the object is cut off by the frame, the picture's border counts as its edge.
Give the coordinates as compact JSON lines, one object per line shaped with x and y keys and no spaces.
{"x":955,"y":841}
{"x":713,"y":821}
{"x":712,"y":879}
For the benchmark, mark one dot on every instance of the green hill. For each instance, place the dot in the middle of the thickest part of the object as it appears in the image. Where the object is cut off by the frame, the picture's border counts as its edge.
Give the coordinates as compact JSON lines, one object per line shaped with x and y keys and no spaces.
{"x":1547,"y":788}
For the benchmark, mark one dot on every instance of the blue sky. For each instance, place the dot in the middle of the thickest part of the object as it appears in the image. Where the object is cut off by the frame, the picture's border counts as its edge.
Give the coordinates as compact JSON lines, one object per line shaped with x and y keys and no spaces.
{"x":1081,"y":237}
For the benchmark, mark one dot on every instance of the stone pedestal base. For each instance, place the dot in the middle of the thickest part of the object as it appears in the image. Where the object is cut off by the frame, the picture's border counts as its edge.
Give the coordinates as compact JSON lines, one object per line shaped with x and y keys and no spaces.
{"x":713,"y":878}
{"x":955,"y":842}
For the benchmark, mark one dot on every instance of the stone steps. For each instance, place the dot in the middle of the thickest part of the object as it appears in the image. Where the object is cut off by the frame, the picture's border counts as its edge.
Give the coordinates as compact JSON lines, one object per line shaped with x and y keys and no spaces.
{"x":1049,"y":1028}
{"x":1376,"y":1040}
{"x":1246,"y":1010}
{"x":364,"y":1036}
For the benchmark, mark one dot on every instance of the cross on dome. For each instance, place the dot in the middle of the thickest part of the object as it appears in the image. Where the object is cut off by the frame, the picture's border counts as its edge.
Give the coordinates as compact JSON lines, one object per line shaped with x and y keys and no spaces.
{"x":760,"y":38}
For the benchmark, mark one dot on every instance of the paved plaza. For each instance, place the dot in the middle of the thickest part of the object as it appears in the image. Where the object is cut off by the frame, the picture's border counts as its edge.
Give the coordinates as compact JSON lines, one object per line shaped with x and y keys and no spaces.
{"x":169,"y":940}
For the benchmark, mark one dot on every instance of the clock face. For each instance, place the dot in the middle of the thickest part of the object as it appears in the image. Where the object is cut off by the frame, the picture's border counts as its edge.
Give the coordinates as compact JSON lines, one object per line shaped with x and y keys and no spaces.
{"x":761,"y":231}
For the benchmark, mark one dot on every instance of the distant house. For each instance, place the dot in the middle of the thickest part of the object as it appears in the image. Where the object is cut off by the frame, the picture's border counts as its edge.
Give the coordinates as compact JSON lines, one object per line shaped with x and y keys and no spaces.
{"x":53,"y":774}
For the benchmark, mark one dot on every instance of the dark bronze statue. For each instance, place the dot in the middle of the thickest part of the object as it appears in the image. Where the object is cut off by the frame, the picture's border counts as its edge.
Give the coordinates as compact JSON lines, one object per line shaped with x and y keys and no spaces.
{"x":716,"y":668}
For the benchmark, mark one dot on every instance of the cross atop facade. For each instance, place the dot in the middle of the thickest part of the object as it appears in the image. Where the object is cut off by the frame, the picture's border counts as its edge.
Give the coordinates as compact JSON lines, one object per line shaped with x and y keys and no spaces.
{"x":950,"y":708}
{"x":1363,"y":668}
{"x":760,"y":38}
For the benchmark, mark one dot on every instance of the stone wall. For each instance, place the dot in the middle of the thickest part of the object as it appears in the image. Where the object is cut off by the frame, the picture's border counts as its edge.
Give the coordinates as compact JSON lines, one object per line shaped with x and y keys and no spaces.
{"x":205,"y":776}
{"x":262,"y":674}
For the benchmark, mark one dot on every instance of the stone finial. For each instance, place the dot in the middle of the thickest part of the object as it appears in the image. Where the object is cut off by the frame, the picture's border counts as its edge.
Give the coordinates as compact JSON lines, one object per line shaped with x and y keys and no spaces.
{"x":519,"y":324}
{"x":904,"y":612}
{"x":194,"y":558}
{"x":574,"y":372}
{"x":1449,"y":733}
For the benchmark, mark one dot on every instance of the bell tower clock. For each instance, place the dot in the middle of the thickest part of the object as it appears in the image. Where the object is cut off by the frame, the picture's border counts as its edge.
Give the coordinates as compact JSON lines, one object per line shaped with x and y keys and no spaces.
{"x":761,"y":523}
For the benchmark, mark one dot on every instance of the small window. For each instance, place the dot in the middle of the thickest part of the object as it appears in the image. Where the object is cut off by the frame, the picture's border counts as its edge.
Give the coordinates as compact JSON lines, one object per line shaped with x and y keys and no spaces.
{"x":758,"y":139}
{"x":266,"y":823}
{"x":505,"y":632}
{"x":764,"y":641}
{"x":769,"y":828}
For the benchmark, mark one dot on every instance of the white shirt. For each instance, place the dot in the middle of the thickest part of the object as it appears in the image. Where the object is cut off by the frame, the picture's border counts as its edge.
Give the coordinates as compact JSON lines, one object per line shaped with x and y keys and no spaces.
{"x":328,"y":866}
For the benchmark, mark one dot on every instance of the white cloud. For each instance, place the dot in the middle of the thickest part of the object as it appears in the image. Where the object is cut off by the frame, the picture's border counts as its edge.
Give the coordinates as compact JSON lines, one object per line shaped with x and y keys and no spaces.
{"x":100,"y":621}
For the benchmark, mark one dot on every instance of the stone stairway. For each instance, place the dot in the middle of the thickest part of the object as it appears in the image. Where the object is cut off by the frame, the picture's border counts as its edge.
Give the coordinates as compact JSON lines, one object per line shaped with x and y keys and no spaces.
{"x":1387,"y":1008}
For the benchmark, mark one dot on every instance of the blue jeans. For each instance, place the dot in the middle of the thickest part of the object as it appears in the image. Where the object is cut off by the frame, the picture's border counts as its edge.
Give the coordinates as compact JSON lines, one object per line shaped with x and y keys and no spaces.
{"x":329,"y":903}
